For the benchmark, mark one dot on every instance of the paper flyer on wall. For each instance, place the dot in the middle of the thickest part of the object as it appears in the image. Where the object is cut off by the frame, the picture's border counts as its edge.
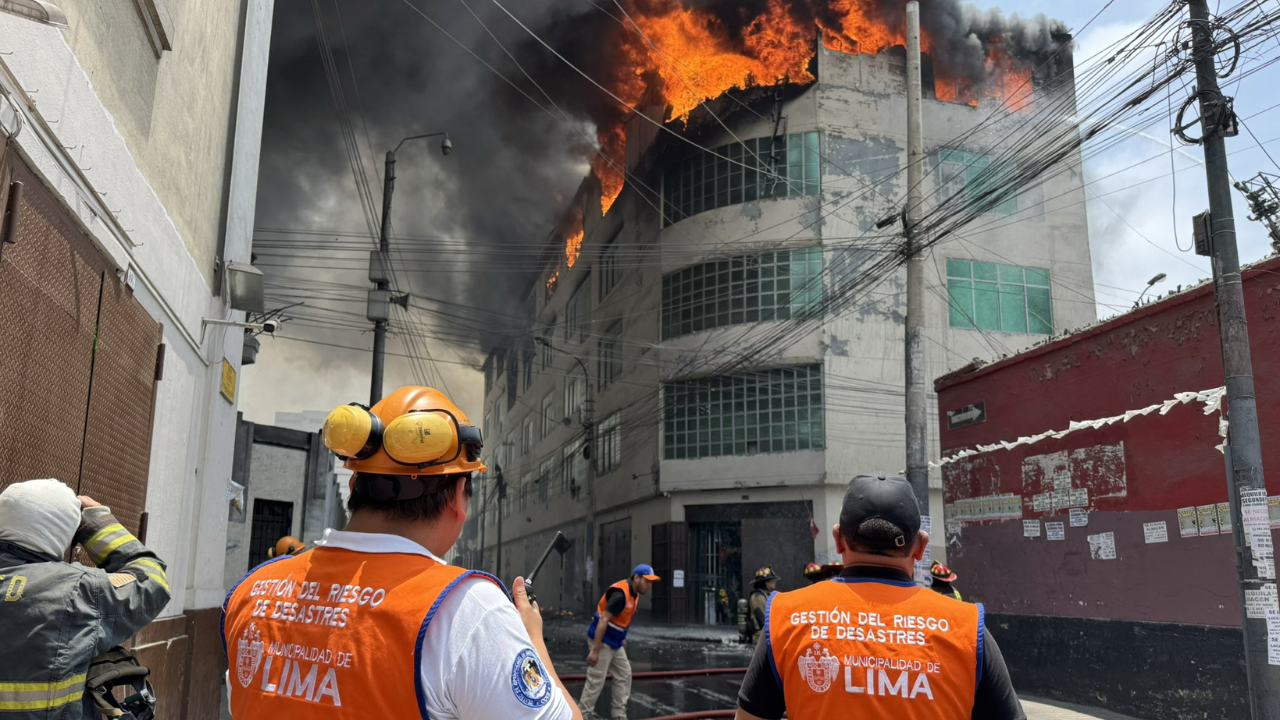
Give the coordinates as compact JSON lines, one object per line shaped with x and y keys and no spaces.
{"x":1079,"y":498}
{"x":1155,"y":532}
{"x":1042,"y":502}
{"x":1102,"y":546}
{"x":1224,"y":518}
{"x":1055,"y":531}
{"x":1062,"y":480}
{"x":1187,"y":522}
{"x":1257,"y":601}
{"x":1207,"y":516}
{"x":1079,"y":518}
{"x":1031,"y":528}
{"x":1273,"y":635}
{"x":1273,"y":510}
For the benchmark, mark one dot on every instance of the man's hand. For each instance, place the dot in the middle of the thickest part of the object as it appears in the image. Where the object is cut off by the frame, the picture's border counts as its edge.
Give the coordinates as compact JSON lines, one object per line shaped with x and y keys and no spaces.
{"x":530,"y":613}
{"x":87,"y":502}
{"x":593,"y":657}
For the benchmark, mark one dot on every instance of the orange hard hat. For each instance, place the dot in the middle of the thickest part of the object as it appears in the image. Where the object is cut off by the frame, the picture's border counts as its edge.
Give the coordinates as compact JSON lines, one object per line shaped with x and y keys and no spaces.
{"x":414,"y":431}
{"x":287,"y":545}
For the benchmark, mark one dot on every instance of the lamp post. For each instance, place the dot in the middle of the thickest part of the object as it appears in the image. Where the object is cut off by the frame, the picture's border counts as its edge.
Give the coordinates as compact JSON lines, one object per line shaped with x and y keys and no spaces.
{"x":380,"y":299}
{"x":588,"y":425}
{"x":1150,"y":284}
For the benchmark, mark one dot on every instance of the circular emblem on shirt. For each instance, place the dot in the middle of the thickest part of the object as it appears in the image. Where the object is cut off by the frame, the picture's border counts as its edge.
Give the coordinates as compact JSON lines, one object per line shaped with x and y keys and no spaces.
{"x":529,"y":682}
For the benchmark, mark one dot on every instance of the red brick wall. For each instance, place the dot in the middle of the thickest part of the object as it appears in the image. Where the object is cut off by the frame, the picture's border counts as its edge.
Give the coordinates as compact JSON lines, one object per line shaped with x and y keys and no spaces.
{"x":1137,"y":472}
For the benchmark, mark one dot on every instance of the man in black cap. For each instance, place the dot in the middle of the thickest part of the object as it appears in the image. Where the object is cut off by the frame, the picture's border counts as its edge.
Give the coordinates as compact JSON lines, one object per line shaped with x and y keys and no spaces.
{"x":870,"y":643}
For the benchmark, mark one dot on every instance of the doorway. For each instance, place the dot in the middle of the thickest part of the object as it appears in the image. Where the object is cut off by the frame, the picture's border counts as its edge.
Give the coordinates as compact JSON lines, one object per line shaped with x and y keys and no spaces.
{"x":272,"y":520}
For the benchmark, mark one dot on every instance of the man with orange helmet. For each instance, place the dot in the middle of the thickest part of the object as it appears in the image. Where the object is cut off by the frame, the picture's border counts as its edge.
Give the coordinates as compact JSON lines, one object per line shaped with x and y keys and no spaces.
{"x":871,"y":643}
{"x":371,"y":622}
{"x":287,"y":545}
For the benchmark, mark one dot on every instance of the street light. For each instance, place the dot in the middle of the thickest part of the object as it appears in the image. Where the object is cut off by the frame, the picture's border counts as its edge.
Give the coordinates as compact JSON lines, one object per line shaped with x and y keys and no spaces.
{"x":1150,"y":283}
{"x":379,"y":269}
{"x":588,"y":424}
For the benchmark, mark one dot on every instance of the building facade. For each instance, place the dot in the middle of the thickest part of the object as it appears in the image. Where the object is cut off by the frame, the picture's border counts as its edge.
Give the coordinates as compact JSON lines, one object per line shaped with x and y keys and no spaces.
{"x":134,"y":132}
{"x":1118,"y":542}
{"x":731,"y":336}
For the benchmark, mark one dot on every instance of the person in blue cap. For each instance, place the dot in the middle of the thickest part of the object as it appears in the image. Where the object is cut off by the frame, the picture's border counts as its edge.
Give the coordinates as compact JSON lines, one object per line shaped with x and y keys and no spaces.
{"x":607,"y":634}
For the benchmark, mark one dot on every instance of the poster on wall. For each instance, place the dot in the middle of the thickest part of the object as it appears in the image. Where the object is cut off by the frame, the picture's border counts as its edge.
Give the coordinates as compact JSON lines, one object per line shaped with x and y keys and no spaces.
{"x":1208,"y":519}
{"x":1187,"y":522}
{"x":1155,"y":532}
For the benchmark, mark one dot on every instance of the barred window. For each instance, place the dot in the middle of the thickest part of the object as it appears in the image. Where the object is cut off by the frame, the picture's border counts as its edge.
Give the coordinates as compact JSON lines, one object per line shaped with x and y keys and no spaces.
{"x":526,"y":441}
{"x":610,"y":266}
{"x":755,"y":169}
{"x":609,"y":355}
{"x":549,"y":420}
{"x":577,"y":314}
{"x":988,"y":296}
{"x":575,"y":392}
{"x":777,"y":410}
{"x":573,"y":472}
{"x":545,"y":477}
{"x":745,"y":289}
{"x":547,"y":352}
{"x":971,"y":176}
{"x":529,"y":355}
{"x":526,"y":488}
{"x":609,"y":444}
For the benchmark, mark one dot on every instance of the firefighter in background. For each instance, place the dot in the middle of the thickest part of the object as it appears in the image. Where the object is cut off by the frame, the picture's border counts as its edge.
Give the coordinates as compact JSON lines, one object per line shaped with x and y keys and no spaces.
{"x":942,"y":663}
{"x":813,"y":572}
{"x":607,"y":637}
{"x":764,"y":585}
{"x":287,"y":545}
{"x":382,"y":627}
{"x":940,"y":579}
{"x":57,"y":616}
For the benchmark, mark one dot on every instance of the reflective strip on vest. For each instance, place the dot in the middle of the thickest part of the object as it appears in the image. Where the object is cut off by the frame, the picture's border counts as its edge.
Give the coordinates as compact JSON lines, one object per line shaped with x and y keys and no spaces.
{"x":333,"y":631}
{"x":40,"y":695}
{"x":873,"y":648}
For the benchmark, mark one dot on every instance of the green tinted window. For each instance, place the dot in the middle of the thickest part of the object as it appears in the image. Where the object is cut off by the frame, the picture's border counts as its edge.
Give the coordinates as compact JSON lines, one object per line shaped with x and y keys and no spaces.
{"x":991,"y":296}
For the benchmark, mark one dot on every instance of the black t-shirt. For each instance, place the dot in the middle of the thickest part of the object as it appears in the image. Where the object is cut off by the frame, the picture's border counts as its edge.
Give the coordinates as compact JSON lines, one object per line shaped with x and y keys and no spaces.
{"x":615,"y":601}
{"x":761,"y":696}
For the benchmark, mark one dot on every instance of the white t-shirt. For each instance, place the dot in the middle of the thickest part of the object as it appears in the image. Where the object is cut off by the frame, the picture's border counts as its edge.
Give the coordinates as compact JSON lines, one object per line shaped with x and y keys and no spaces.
{"x":477,"y":660}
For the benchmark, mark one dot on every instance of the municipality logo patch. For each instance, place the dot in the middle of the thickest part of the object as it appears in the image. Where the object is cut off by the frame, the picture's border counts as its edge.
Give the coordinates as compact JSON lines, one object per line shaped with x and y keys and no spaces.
{"x":818,"y":668}
{"x":529,"y":682}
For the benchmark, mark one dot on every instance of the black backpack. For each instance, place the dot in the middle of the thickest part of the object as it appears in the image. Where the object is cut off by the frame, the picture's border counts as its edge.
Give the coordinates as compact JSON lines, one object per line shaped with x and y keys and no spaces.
{"x":118,"y":685}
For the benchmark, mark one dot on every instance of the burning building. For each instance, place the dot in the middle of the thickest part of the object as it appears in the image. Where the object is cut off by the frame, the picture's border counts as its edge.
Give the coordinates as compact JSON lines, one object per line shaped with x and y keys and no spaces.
{"x":716,"y":344}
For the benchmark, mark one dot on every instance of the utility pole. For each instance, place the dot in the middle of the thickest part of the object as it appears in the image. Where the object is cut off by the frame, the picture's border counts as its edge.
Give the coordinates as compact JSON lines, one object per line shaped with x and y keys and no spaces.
{"x":1255,"y":565}
{"x":380,"y":299}
{"x":484,"y":513}
{"x":589,"y":450}
{"x":382,"y":284}
{"x":917,"y":399}
{"x":502,"y":496}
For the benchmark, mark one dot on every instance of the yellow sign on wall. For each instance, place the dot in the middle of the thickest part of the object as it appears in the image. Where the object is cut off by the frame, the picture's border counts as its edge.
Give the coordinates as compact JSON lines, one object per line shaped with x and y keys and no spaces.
{"x":228,"y":382}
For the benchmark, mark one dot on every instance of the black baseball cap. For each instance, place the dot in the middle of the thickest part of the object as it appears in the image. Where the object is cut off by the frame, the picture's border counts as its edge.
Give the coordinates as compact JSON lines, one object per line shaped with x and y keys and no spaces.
{"x":887,"y":497}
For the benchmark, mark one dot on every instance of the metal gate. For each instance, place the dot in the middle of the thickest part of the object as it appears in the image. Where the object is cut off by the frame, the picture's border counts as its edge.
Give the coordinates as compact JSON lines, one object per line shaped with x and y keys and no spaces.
{"x":670,"y":554}
{"x":78,"y":359}
{"x":272,"y":520}
{"x":615,"y":552}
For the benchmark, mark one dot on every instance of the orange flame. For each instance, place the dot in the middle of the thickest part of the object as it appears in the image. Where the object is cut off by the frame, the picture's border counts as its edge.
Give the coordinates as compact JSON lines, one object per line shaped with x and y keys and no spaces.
{"x":573,"y":237}
{"x":687,"y":56}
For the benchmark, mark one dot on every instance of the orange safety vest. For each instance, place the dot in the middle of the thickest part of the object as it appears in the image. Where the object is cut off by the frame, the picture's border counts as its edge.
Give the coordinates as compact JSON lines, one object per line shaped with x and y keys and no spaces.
{"x":616,"y":632}
{"x":861,"y":647}
{"x":333,"y":632}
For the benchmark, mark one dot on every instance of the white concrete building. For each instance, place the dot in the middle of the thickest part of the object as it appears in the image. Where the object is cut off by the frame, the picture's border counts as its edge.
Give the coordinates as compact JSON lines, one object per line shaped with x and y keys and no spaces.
{"x":135,"y":131}
{"x":740,"y":335}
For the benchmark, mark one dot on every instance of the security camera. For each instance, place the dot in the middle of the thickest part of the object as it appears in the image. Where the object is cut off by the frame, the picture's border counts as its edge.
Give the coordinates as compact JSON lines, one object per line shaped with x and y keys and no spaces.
{"x":446,"y":147}
{"x":270,"y":326}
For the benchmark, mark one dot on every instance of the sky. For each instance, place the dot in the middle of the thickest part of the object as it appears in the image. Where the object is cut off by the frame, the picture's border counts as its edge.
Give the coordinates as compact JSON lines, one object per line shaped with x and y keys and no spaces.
{"x":513,"y":168}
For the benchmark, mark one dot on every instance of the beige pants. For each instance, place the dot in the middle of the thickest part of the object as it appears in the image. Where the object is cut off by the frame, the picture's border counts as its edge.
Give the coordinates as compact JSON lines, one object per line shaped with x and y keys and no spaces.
{"x":610,"y":661}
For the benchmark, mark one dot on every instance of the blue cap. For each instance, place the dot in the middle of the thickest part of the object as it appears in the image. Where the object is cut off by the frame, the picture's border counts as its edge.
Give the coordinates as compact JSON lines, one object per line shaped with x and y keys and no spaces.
{"x":646,"y":571}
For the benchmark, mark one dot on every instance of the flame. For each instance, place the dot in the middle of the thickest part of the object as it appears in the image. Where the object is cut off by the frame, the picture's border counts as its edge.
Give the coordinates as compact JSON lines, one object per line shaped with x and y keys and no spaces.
{"x":573,"y":237}
{"x":687,"y":56}
{"x":551,"y":283}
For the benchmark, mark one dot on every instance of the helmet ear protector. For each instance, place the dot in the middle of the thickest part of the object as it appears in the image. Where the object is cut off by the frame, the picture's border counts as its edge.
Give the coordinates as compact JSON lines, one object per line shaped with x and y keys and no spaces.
{"x":419,"y":437}
{"x":352,"y":432}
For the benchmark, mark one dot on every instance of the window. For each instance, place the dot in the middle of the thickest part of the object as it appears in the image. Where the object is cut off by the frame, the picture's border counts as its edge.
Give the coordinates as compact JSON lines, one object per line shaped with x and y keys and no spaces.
{"x":573,"y":471}
{"x":972,"y":176}
{"x":526,"y":489}
{"x":609,"y":444}
{"x":577,"y":314}
{"x":610,"y":266}
{"x":750,"y":288}
{"x":513,"y":382}
{"x":609,"y":355}
{"x":547,"y":352}
{"x":1008,"y":298}
{"x":766,"y":411}
{"x":497,"y":417}
{"x":529,"y":355}
{"x":575,"y":391}
{"x":549,"y":420}
{"x":526,"y":440}
{"x":755,"y":169}
{"x":545,"y":477}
